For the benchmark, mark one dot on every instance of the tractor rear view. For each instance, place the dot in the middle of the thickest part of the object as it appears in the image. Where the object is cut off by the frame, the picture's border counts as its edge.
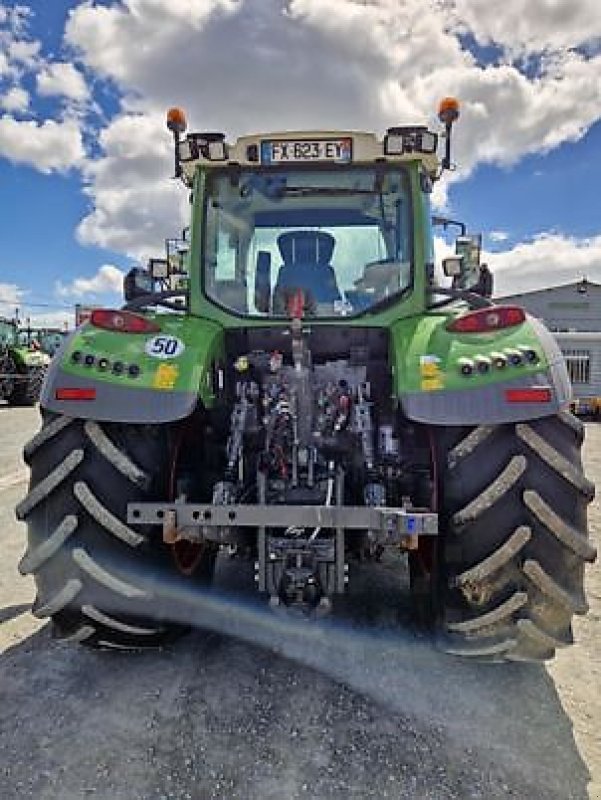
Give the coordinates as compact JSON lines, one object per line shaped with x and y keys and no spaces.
{"x":293,"y":383}
{"x":22,"y":367}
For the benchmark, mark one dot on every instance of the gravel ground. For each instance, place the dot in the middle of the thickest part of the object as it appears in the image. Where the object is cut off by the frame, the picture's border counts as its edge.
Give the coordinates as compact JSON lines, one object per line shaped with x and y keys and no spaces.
{"x":287,"y":711}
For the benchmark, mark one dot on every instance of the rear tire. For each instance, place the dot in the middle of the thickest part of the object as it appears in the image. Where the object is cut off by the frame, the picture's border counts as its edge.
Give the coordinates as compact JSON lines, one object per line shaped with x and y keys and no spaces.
{"x":83,"y":555}
{"x":27,"y":389}
{"x":513,"y":555}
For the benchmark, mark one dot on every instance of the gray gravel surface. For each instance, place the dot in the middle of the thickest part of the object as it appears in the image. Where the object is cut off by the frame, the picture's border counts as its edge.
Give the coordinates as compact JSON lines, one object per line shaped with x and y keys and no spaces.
{"x":337,"y":711}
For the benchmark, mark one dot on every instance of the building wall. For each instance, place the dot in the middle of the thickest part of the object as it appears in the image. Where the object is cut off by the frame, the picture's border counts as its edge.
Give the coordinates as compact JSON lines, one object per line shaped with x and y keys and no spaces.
{"x":563,"y":308}
{"x":574,"y":316}
{"x":582,"y":352}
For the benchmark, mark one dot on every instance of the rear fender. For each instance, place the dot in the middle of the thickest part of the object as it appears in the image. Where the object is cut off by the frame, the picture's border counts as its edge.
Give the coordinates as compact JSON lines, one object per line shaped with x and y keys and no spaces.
{"x":137,"y":378}
{"x":427,"y":361}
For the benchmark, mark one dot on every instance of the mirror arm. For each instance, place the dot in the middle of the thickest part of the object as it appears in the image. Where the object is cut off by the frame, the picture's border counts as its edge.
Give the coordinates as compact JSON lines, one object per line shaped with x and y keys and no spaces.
{"x":474,"y":300}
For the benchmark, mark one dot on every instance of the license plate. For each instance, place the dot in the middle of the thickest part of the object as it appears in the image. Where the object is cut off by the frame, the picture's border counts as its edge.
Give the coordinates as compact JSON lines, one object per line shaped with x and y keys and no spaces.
{"x":278,"y":151}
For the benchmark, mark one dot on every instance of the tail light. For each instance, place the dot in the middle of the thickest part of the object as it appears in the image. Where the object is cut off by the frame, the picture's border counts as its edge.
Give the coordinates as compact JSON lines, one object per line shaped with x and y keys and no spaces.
{"x":532,"y":394}
{"x":76,"y":393}
{"x":122,"y":321}
{"x":488,"y":319}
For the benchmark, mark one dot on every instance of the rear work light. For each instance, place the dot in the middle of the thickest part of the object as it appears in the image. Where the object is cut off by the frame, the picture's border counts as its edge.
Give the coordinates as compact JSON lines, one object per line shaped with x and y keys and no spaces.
{"x":488,"y":319}
{"x":122,"y":321}
{"x":75,"y":394}
{"x":531,"y":395}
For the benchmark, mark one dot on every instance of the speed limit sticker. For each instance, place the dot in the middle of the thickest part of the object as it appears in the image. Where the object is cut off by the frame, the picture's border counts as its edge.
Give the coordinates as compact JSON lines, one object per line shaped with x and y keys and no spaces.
{"x":164,"y":347}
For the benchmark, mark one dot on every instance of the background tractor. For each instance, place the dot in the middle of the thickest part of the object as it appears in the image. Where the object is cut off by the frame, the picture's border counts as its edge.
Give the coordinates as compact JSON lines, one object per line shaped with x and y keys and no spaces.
{"x":22,"y":366}
{"x":293,"y":382}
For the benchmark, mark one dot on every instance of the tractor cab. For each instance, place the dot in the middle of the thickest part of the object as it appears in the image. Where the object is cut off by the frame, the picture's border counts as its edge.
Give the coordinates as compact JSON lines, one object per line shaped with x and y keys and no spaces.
{"x":339,"y":235}
{"x":339,"y":219}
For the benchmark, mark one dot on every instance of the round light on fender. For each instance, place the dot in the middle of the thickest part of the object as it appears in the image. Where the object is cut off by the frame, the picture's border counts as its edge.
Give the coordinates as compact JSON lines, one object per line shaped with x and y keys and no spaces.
{"x":176,"y":120}
{"x":530,"y":354}
{"x":448,"y":110}
{"x":466,"y":367}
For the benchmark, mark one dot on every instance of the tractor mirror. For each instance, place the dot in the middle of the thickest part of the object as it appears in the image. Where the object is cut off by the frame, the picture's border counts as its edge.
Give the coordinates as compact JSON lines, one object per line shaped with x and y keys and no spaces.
{"x":158,"y":268}
{"x":452,"y":266}
{"x":263,"y":282}
{"x":469,"y":248}
{"x":136,"y":283}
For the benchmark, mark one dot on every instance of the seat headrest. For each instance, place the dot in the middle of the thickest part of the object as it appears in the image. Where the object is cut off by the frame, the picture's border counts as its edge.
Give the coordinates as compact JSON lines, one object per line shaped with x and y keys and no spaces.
{"x":306,"y":247}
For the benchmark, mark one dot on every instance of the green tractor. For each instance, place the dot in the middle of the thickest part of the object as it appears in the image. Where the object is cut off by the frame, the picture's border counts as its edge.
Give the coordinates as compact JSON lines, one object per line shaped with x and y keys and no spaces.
{"x":23,"y":365}
{"x":293,"y":384}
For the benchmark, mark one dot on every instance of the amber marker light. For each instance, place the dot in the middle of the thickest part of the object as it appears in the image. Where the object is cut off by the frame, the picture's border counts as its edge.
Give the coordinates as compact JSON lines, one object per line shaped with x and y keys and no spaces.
{"x":176,"y":120}
{"x":448,"y":110}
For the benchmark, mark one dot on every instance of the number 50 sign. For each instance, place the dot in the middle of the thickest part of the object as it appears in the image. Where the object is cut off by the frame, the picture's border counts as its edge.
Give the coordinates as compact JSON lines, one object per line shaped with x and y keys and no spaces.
{"x":164,"y":347}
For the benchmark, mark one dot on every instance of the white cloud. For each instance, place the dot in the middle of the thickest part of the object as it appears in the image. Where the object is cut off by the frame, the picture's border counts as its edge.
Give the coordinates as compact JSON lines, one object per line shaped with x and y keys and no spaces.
{"x":10,"y":293}
{"x":535,"y":26}
{"x":48,"y":146}
{"x":15,"y":99}
{"x":107,"y":280}
{"x":10,"y":297}
{"x":63,"y":80}
{"x":498,"y":236}
{"x":17,"y":50}
{"x":136,"y":202}
{"x":549,"y":260}
{"x":24,"y":52}
{"x":244,"y":65}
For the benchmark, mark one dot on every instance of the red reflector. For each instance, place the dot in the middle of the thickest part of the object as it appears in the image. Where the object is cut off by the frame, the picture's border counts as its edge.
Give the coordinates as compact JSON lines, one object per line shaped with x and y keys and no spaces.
{"x":528,"y":395}
{"x":488,"y":319}
{"x":122,"y":321}
{"x":75,"y":394}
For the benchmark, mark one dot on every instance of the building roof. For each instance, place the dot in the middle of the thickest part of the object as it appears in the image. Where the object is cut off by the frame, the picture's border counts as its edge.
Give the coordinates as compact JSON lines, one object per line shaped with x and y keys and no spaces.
{"x":583,"y":282}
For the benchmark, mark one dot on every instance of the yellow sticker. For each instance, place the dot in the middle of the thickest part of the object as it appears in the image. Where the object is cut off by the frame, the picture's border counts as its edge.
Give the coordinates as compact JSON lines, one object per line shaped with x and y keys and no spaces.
{"x":430,"y":370}
{"x":165,"y":376}
{"x":431,"y":373}
{"x":431,"y":384}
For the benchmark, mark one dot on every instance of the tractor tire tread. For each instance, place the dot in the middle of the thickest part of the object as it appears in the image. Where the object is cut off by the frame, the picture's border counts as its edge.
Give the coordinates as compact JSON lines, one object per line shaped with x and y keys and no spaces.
{"x":516,"y":540}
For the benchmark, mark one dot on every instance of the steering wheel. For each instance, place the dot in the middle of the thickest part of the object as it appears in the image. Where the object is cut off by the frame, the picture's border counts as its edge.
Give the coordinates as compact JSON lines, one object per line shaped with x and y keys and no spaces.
{"x":158,"y":299}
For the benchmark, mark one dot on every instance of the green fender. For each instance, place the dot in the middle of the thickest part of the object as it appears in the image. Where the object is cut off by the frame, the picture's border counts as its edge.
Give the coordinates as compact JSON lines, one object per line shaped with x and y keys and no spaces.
{"x":427,"y":361}
{"x":137,"y":378}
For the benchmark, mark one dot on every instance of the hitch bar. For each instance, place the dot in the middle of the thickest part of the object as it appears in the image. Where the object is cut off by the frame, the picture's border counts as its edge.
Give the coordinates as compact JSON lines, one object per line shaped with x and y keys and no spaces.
{"x":391,"y":525}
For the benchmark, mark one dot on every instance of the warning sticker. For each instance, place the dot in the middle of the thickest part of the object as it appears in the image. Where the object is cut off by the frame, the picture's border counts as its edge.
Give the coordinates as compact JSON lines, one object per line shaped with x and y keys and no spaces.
{"x":430,"y":373}
{"x":431,"y":384}
{"x":165,"y":376}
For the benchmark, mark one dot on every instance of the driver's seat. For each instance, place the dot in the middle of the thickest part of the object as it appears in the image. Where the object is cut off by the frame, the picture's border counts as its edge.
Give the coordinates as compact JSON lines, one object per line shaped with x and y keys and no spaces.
{"x":306,"y":256}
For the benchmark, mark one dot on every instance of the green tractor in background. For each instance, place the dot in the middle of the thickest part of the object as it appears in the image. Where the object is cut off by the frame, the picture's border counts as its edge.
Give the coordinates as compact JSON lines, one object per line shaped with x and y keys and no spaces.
{"x":23,"y":365}
{"x":293,"y":383}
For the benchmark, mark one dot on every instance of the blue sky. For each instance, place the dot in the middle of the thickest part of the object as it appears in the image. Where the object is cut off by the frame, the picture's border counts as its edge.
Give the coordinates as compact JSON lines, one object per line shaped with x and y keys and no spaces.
{"x":85,"y":160}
